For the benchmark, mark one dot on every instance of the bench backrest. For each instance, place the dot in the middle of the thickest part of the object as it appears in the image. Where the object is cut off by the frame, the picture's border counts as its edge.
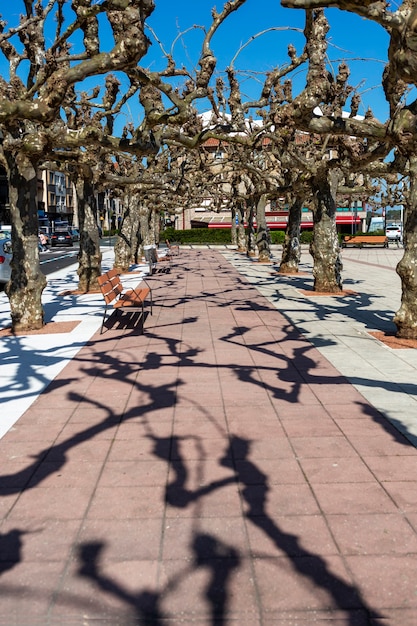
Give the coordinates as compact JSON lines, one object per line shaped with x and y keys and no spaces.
{"x":110,"y":285}
{"x":365,"y":238}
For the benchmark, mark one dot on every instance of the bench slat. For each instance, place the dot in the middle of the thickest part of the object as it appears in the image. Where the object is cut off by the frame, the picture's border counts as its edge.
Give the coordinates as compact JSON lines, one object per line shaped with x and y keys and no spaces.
{"x":113,"y":292}
{"x":359,"y":240}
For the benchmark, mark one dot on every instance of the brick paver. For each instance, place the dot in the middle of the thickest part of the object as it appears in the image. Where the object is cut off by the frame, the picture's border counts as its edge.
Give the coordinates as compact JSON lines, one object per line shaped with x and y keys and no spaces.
{"x":216,"y":469}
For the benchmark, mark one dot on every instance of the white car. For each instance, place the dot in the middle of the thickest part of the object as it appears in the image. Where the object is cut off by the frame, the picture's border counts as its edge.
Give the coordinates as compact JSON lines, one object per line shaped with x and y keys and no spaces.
{"x":5,"y":258}
{"x":394,"y":233}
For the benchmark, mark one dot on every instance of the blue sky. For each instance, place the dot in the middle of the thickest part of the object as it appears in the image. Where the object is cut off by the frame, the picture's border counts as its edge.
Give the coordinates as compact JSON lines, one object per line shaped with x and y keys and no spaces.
{"x":362,"y":43}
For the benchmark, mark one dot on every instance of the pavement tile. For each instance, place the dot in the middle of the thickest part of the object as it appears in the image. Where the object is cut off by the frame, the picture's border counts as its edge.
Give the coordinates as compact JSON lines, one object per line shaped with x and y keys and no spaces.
{"x":191,"y":448}
{"x":349,"y":617}
{"x":217,"y":587}
{"x":336,"y":470}
{"x":123,"y":539}
{"x":375,"y":574}
{"x":381,"y":445}
{"x":37,"y":540}
{"x":367,"y":427}
{"x":28,"y":590}
{"x":289,"y":535}
{"x":8,"y":500}
{"x":291,"y":411}
{"x":16,"y":475}
{"x":81,"y":446}
{"x":270,"y":471}
{"x":42,"y":503}
{"x":103,"y":590}
{"x":404,"y":494}
{"x":224,"y":501}
{"x":139,"y":449}
{"x":133,"y":473}
{"x":180,"y":533}
{"x":394,"y":468}
{"x":66,"y":473}
{"x":351,"y":498}
{"x":377,"y":533}
{"x":322,"y":447}
{"x":256,"y":428}
{"x":130,"y":502}
{"x":261,"y":448}
{"x":202,"y":428}
{"x":21,"y":432}
{"x":19,"y":452}
{"x":314,"y":582}
{"x":47,"y":417}
{"x":264,"y":412}
{"x":278,"y":499}
{"x":317,"y":427}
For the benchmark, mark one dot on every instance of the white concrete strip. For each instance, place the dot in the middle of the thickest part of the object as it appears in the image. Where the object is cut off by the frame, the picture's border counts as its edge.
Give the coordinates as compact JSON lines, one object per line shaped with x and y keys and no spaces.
{"x":339,"y":327}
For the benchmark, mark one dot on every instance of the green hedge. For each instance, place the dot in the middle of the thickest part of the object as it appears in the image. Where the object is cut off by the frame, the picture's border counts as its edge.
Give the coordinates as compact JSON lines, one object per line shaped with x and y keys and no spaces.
{"x":219,"y":236}
{"x":197,"y":235}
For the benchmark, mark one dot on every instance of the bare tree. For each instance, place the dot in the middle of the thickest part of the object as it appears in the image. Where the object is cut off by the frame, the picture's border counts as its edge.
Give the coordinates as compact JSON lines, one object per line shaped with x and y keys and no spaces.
{"x":41,"y":113}
{"x":397,"y":134}
{"x":33,"y":121}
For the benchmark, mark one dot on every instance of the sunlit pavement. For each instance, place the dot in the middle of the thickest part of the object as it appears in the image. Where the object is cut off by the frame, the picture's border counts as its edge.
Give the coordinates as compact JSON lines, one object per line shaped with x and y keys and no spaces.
{"x":218,"y":467}
{"x":340,"y":327}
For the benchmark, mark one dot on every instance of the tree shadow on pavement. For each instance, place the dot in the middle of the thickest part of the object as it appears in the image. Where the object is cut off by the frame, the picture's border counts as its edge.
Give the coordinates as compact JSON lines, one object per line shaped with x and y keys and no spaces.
{"x":207,"y":553}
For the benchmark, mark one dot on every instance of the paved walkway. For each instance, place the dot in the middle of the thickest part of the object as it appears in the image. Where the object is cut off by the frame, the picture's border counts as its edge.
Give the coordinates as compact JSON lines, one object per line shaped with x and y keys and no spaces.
{"x":227,"y":466}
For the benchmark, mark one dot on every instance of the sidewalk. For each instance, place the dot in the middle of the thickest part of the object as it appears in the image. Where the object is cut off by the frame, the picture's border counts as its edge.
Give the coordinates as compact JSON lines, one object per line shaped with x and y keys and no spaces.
{"x":220,"y":468}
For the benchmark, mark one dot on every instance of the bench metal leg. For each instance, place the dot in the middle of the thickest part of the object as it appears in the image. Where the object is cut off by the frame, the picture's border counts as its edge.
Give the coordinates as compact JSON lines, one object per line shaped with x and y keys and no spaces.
{"x":104,"y":319}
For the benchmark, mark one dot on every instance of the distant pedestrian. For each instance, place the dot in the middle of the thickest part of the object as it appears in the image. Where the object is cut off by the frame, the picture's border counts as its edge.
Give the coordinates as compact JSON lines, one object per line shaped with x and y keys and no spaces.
{"x":43,"y":242}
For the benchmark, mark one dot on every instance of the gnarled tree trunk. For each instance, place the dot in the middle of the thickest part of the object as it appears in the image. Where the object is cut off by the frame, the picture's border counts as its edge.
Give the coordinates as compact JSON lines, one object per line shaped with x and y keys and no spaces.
{"x":250,"y":231}
{"x":233,"y":229}
{"x":89,"y":255}
{"x":27,"y":283}
{"x":406,"y":317}
{"x":128,"y":240}
{"x":262,"y":234}
{"x":241,"y":236}
{"x":291,"y":251}
{"x":325,"y":248}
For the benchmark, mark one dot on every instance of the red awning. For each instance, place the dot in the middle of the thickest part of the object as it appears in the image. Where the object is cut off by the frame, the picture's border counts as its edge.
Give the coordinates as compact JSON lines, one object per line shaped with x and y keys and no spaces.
{"x":340,"y":219}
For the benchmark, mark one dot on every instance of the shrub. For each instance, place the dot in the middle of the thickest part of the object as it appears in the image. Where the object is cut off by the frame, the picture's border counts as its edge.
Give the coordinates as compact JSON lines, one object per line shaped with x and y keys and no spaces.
{"x":197,"y":235}
{"x":220,"y":236}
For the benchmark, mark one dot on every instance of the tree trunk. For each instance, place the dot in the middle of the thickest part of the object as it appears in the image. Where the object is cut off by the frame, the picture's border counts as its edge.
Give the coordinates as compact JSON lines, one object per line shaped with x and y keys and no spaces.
{"x":291,"y":251}
{"x":325,"y":245}
{"x":233,"y":229}
{"x":128,"y":240}
{"x":155,"y":224}
{"x":27,"y":283}
{"x":89,"y":255}
{"x":406,"y":317}
{"x":263,"y":240}
{"x":250,"y":233}
{"x":241,"y":236}
{"x":147,"y":232}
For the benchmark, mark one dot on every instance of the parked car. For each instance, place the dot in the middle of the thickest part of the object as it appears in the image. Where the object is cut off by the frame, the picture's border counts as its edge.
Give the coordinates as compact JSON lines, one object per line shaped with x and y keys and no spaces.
{"x":61,"y":238}
{"x":5,"y":258}
{"x":75,"y":234}
{"x":394,"y":233}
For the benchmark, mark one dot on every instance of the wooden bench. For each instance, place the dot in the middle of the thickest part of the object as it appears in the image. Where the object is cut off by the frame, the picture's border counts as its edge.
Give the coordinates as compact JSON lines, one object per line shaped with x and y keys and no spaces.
{"x":120,"y":298}
{"x":365,"y":240}
{"x":173,"y":248}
